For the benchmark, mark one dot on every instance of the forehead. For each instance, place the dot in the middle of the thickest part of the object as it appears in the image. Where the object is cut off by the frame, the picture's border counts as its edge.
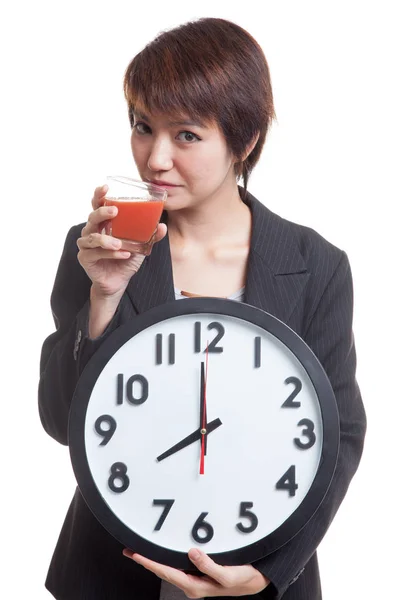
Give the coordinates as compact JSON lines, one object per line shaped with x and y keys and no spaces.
{"x":171,"y":119}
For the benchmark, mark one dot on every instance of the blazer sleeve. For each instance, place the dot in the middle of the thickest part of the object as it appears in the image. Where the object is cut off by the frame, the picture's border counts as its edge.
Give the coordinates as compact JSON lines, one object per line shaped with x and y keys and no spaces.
{"x":66,"y":351}
{"x":329,"y":334}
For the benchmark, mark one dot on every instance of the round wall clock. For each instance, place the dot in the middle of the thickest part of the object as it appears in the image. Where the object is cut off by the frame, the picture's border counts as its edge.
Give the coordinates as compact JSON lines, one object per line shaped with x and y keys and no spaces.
{"x":204,"y":422}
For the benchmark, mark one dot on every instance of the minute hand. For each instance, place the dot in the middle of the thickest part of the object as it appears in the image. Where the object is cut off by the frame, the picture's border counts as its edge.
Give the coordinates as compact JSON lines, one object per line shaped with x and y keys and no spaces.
{"x":190,"y":439}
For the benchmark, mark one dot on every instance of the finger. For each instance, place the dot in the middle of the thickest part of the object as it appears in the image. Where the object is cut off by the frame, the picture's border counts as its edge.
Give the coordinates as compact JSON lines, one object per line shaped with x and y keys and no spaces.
{"x":98,"y":217}
{"x":98,"y":240}
{"x":174,"y":576}
{"x":90,"y":257}
{"x":99,"y":195}
{"x":193,"y":585}
{"x":161,"y":232}
{"x":206,"y":565}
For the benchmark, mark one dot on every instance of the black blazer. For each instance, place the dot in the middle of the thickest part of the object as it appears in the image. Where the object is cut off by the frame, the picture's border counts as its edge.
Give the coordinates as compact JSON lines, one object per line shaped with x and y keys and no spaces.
{"x":294,"y":274}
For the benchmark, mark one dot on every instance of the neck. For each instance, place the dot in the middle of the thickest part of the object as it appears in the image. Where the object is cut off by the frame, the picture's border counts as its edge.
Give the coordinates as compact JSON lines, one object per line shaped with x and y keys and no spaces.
{"x":220,"y":217}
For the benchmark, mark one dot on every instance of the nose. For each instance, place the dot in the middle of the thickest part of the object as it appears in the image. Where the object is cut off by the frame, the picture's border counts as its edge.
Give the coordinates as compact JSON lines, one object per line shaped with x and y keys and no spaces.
{"x":160,"y":158}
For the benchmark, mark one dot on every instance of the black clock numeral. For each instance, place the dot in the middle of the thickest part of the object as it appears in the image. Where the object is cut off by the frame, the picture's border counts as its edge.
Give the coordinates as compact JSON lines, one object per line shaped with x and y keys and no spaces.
{"x":159,"y":349}
{"x":129,"y":389}
{"x":197,"y":336}
{"x":245,"y":512}
{"x":202,"y":524}
{"x":120,"y":388}
{"x":105,"y":433}
{"x":308,"y":432}
{"x":288,"y":481}
{"x":257,"y":352}
{"x":167,"y":504}
{"x":289,"y":403}
{"x":212,"y":346}
{"x":144,"y":393}
{"x":118,"y":473}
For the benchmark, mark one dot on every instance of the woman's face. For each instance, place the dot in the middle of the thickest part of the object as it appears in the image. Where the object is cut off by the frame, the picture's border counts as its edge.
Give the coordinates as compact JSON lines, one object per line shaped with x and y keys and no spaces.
{"x":192,"y":156}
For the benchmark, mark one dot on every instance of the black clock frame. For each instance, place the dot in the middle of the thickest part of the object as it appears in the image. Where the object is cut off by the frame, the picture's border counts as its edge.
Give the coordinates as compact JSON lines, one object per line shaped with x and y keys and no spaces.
{"x":330,"y":422}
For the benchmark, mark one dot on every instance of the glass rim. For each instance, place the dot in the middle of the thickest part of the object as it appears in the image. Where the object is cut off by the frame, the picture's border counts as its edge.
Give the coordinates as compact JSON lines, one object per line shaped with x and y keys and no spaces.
{"x":136,"y":182}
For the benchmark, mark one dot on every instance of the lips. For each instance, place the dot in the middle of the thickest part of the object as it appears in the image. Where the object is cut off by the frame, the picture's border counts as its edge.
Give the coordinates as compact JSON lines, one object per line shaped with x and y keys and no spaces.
{"x":163,"y":183}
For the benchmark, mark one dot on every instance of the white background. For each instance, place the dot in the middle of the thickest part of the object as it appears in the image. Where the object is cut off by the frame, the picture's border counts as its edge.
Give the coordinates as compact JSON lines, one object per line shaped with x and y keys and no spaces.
{"x":329,"y":163}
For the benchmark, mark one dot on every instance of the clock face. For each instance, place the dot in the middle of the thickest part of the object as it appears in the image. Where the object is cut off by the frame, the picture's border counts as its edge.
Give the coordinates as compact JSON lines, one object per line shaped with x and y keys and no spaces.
{"x":204,"y":424}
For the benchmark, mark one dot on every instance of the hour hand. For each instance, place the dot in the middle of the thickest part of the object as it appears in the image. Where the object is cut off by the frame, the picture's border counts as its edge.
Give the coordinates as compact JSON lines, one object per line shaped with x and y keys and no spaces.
{"x":203,"y":406}
{"x":190,"y":439}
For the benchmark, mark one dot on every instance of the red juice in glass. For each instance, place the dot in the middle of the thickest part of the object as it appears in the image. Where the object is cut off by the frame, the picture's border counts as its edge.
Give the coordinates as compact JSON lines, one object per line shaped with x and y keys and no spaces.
{"x":140,"y":206}
{"x":136,"y":220}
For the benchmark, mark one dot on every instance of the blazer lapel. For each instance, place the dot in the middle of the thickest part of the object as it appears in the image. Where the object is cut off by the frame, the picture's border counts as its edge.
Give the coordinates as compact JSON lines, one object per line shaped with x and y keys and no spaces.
{"x":276,"y":272}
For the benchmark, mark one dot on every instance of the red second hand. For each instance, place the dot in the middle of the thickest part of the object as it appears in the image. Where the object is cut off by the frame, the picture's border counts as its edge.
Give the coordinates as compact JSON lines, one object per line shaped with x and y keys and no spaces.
{"x":204,"y":424}
{"x":202,"y":456}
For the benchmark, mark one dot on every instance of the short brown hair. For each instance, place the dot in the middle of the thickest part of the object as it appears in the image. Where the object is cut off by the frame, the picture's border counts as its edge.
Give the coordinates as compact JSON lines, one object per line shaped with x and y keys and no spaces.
{"x":211,"y":69}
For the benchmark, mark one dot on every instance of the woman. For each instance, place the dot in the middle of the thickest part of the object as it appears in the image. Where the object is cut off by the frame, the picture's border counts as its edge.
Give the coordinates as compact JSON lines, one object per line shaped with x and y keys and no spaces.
{"x":200,"y":105}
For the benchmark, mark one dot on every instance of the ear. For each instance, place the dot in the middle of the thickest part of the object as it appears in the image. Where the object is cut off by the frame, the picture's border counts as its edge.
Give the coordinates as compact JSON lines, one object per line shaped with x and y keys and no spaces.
{"x":250,"y":147}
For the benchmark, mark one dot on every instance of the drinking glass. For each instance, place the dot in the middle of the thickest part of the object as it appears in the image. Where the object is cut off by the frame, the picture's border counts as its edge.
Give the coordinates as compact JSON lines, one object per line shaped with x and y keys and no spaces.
{"x":140,"y":206}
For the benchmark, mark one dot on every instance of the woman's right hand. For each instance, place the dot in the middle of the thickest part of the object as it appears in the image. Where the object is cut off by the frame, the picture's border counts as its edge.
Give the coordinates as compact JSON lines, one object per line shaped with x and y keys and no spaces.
{"x":109,"y":267}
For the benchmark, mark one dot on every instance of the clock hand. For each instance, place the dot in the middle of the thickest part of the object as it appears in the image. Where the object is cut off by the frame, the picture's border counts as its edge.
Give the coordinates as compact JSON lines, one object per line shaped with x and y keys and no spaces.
{"x":205,"y":400}
{"x":203,"y":413}
{"x":190,"y":439}
{"x":202,"y":395}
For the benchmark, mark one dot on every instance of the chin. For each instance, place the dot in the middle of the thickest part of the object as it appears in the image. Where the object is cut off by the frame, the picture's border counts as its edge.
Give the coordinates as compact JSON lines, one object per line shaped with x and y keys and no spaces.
{"x":171,"y":204}
{"x":178,"y":202}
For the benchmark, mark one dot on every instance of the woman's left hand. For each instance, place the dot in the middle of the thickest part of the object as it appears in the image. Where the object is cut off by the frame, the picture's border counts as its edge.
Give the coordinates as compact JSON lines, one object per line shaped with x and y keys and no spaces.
{"x":217,"y":581}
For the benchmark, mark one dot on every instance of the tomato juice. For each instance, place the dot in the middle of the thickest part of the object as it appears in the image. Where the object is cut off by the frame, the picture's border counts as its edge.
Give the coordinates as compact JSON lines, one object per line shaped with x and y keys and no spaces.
{"x":136,"y":219}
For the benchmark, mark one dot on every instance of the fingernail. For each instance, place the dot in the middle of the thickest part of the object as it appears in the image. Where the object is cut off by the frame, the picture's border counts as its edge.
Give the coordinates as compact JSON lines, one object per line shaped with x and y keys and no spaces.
{"x":194,"y":554}
{"x":111,"y":210}
{"x":116,"y":243}
{"x":127,"y":553}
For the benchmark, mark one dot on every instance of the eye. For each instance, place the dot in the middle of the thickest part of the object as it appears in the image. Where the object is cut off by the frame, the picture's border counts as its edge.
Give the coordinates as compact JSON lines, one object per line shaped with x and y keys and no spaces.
{"x":141,"y":128}
{"x":188,"y":136}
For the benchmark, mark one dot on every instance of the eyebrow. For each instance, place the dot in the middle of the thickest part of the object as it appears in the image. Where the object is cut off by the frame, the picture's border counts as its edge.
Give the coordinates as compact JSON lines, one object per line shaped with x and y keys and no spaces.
{"x":188,"y":122}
